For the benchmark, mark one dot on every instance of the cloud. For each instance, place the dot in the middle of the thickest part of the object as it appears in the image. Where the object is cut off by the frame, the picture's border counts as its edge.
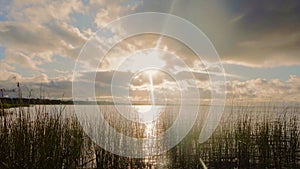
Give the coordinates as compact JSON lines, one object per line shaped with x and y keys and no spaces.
{"x":278,"y":47}
{"x":20,"y":59}
{"x":36,"y":86}
{"x":266,"y":34}
{"x":33,"y":46}
{"x":58,"y":38}
{"x":250,"y":33}
{"x":261,"y":89}
{"x":178,"y":53}
{"x":138,"y":85}
{"x":35,"y":31}
{"x":7,"y":71}
{"x":109,"y":10}
{"x":44,"y":11}
{"x":251,"y":90}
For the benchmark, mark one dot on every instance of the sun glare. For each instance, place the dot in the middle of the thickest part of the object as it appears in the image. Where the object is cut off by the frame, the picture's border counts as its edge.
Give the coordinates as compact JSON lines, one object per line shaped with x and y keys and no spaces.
{"x":141,"y":60}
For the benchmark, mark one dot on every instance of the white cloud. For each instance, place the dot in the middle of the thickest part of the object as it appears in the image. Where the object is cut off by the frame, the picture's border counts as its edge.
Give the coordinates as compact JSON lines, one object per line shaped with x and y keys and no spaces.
{"x":31,"y":46}
{"x":37,"y":30}
{"x":57,"y":38}
{"x":21,"y":59}
{"x":6,"y":71}
{"x":110,"y":10}
{"x":259,"y":89}
{"x":44,"y":11}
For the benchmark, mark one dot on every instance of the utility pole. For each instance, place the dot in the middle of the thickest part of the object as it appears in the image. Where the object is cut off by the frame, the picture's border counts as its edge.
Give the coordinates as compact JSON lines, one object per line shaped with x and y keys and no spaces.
{"x":19,"y":90}
{"x":2,"y":93}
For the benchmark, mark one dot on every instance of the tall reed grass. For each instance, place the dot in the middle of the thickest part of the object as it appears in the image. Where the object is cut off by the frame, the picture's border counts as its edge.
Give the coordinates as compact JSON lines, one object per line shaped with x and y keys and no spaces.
{"x":45,"y":141}
{"x":247,"y":137}
{"x":264,"y":137}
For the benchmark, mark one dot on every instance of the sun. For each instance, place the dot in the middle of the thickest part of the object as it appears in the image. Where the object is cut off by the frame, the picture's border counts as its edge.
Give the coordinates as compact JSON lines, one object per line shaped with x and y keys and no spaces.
{"x":151,"y":72}
{"x":142,"y":59}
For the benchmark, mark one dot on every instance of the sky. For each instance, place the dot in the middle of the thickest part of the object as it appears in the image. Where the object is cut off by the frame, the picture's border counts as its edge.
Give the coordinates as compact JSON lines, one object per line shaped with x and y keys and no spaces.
{"x":257,"y":42}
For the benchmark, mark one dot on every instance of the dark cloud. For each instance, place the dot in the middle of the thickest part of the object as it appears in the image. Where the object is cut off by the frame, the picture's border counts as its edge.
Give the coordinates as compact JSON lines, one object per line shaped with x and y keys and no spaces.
{"x":267,"y":34}
{"x":197,"y":75}
{"x":244,"y":32}
{"x":263,"y":15}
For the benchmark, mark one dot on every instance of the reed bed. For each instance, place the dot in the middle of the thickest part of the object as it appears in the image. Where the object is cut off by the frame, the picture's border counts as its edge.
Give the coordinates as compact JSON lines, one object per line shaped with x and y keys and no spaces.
{"x":43,"y":141}
{"x":247,"y":137}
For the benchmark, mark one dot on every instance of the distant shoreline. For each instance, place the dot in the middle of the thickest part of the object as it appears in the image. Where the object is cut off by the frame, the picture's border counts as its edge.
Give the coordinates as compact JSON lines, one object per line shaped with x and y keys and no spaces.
{"x":6,"y":103}
{"x":25,"y":102}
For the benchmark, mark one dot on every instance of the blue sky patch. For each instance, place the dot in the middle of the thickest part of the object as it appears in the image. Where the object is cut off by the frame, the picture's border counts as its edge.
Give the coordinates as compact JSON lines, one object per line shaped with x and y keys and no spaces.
{"x":4,"y":6}
{"x":62,"y":64}
{"x":83,"y":21}
{"x":2,"y":52}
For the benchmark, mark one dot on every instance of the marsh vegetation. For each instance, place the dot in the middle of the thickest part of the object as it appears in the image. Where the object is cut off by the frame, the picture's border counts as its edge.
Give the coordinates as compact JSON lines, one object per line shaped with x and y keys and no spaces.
{"x":247,"y":137}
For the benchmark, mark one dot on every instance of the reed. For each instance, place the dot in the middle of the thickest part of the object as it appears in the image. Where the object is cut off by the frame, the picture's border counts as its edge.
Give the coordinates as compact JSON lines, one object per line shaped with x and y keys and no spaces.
{"x":247,"y":137}
{"x":45,"y":141}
